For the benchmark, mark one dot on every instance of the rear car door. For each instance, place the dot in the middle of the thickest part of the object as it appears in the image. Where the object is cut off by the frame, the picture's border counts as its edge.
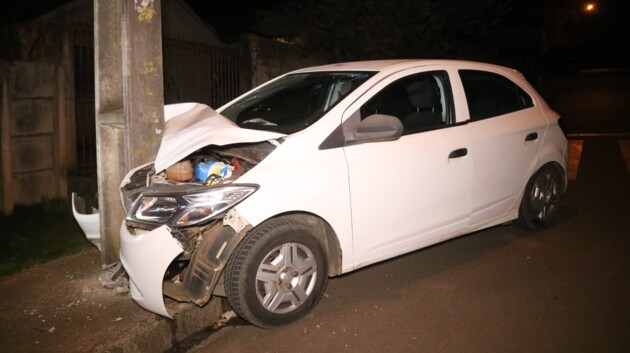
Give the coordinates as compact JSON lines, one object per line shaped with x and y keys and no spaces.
{"x":508,"y":130}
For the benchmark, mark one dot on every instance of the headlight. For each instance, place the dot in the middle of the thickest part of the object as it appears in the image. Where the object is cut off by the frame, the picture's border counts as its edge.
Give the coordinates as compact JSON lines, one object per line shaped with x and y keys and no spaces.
{"x":190,"y":208}
{"x":156,"y":209}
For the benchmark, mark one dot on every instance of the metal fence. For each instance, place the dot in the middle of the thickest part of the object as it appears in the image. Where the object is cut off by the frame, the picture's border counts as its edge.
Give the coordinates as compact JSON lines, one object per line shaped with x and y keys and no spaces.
{"x":84,"y":111}
{"x":198,"y":73}
{"x":192,"y":73}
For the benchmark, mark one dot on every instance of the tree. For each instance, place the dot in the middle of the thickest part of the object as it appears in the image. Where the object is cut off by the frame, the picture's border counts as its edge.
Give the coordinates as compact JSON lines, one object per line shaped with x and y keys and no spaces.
{"x":373,"y":29}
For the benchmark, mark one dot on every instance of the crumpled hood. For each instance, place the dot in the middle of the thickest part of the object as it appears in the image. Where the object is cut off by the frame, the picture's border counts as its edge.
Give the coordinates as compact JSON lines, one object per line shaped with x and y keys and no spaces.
{"x":191,"y":126}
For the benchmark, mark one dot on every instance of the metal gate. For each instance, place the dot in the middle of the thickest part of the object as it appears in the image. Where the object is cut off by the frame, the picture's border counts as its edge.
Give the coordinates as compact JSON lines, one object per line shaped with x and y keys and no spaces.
{"x":84,"y":110}
{"x":192,"y":73}
{"x":198,"y":73}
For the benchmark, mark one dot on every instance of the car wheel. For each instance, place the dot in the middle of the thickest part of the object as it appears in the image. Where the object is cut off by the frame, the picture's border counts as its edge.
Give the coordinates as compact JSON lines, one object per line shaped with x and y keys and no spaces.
{"x":277,"y":274}
{"x":541,"y":201}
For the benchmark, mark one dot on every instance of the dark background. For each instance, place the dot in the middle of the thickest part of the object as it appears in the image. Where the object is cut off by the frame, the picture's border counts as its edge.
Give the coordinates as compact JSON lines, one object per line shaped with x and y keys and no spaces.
{"x":229,"y":18}
{"x":598,"y":40}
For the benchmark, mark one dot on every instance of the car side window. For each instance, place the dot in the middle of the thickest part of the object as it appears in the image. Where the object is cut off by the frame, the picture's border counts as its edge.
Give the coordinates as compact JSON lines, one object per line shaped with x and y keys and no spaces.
{"x":421,"y":102}
{"x":489,"y":94}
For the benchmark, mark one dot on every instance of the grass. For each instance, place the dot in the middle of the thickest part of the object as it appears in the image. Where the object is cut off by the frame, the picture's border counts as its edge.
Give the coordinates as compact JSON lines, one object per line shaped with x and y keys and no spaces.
{"x":43,"y":232}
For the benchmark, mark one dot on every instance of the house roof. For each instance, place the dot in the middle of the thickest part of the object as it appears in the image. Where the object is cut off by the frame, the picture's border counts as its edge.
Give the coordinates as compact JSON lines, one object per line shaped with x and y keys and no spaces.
{"x":19,"y":11}
{"x":179,"y":21}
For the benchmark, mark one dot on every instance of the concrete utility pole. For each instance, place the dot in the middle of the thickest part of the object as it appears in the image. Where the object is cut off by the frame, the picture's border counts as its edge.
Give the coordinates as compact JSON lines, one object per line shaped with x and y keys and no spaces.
{"x":129,"y":102}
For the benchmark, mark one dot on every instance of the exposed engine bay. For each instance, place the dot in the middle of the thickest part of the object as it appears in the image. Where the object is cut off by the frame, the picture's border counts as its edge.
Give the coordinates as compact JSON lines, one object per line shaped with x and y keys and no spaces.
{"x":209,"y":166}
{"x":202,"y":172}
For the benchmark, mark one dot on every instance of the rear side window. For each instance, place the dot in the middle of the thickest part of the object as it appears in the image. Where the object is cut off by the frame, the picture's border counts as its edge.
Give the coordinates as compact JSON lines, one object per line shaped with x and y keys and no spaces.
{"x":489,"y":94}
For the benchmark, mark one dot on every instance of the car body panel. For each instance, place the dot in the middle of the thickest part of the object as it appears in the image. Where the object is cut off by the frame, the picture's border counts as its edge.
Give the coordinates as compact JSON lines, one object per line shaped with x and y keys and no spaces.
{"x":146,"y":257}
{"x":304,"y":179}
{"x":503,"y":160}
{"x":377,"y":171}
{"x":380,"y":199}
{"x":389,"y":219}
{"x":191,"y":126}
{"x":90,"y":223}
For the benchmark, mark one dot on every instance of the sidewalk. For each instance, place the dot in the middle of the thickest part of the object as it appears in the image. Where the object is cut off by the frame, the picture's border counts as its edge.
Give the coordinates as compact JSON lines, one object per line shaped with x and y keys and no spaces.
{"x":61,"y":307}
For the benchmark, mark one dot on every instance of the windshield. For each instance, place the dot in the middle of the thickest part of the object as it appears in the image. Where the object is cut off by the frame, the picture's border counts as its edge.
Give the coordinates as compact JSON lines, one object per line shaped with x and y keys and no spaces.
{"x":293,"y":102}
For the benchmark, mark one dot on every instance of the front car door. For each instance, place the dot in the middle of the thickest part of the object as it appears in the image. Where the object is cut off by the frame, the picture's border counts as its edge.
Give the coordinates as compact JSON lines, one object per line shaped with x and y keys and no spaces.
{"x":413,"y":191}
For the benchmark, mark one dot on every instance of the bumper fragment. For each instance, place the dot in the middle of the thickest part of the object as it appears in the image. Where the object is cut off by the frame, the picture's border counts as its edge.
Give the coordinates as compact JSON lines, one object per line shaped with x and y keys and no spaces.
{"x":146,"y":258}
{"x":90,"y":223}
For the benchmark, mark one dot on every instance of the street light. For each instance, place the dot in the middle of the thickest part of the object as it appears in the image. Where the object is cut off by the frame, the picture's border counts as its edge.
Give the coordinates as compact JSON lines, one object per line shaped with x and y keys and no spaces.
{"x":589,"y":7}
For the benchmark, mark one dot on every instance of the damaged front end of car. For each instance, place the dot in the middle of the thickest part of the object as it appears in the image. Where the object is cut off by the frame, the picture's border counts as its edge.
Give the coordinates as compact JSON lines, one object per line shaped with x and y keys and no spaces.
{"x":181,"y":225}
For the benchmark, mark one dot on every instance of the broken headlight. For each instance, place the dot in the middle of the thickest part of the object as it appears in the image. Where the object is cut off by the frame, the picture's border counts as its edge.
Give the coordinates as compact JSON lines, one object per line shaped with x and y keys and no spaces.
{"x":187,"y":208}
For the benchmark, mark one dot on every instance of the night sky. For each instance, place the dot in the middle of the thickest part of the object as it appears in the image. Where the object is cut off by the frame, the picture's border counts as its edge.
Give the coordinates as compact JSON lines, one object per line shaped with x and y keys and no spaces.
{"x":231,"y":19}
{"x":235,"y":17}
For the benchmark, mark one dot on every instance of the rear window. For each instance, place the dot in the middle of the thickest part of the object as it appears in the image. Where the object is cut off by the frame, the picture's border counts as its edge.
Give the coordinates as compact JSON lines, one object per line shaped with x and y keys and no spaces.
{"x":489,"y":94}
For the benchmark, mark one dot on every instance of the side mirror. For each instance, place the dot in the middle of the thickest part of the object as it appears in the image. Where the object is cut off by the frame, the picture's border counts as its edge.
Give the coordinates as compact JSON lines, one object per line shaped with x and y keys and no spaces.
{"x":378,"y":127}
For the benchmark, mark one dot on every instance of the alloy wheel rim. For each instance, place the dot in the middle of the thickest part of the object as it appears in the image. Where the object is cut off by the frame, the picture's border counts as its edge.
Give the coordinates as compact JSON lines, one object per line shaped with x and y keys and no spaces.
{"x":544,"y":197}
{"x":286,"y":278}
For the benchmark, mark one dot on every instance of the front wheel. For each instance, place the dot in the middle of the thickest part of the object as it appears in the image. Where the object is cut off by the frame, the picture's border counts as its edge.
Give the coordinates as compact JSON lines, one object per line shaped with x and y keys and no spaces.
{"x":541,"y":201}
{"x":277,"y":274}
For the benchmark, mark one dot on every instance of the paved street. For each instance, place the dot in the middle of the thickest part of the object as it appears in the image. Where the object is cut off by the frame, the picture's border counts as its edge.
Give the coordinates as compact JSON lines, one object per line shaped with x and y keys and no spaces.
{"x":564,"y":289}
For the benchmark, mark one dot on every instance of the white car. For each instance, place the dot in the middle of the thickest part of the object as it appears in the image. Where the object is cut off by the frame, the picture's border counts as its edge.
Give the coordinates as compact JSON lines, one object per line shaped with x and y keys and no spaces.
{"x":328,"y":169}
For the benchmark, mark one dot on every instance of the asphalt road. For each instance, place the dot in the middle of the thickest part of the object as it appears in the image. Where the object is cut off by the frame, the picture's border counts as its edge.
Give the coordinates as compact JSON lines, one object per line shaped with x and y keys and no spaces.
{"x":564,"y":289}
{"x":595,"y":101}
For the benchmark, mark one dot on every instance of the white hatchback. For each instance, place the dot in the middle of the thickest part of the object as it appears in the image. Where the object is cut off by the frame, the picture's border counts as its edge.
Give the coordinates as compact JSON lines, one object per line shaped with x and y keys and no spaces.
{"x":328,"y":169}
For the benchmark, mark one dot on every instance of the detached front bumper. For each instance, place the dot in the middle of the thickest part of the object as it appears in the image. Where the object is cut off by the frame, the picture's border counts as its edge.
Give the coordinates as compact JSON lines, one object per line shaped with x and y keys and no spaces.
{"x":146,"y":257}
{"x":90,"y":223}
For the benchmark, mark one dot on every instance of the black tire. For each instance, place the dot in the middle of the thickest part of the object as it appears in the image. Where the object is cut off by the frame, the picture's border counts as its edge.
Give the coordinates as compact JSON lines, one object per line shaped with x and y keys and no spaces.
{"x":541,"y":200}
{"x":258,"y":271}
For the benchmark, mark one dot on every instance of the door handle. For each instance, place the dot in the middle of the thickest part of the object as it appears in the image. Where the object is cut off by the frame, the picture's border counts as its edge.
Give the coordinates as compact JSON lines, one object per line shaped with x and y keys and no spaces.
{"x":531,"y":136}
{"x":461,"y":152}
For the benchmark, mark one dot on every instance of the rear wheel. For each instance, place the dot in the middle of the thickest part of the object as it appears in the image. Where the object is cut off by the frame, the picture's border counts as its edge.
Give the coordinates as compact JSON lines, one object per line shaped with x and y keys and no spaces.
{"x":277,"y":274}
{"x":541,"y":201}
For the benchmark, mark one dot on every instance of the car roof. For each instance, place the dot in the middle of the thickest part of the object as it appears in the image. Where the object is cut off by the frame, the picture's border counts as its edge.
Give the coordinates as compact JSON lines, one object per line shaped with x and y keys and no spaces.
{"x":399,"y":64}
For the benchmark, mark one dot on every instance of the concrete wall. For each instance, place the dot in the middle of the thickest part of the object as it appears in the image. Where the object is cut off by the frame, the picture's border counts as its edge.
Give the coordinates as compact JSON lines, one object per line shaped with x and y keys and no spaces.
{"x":264,"y":59}
{"x":32,"y":131}
{"x":38,"y":107}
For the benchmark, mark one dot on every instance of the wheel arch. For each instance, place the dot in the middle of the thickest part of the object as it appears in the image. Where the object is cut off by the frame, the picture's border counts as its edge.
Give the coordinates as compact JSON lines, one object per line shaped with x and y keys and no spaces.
{"x":323,"y":230}
{"x":542,"y":163}
{"x":554,"y":153}
{"x":325,"y":234}
{"x":267,"y":296}
{"x":526,"y":218}
{"x":561,"y":168}
{"x":555,"y":164}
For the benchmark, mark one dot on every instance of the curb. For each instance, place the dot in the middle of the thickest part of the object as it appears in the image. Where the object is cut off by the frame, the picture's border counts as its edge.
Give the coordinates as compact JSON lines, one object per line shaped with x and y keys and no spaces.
{"x":165,"y":335}
{"x":61,"y":306}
